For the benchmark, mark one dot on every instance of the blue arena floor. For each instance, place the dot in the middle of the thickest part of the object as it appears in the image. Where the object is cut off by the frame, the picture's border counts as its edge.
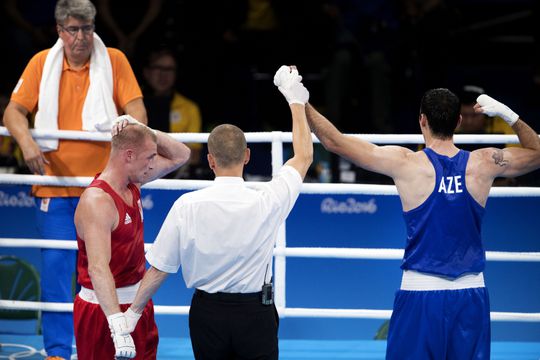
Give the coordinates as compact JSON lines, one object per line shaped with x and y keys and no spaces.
{"x":180,"y":349}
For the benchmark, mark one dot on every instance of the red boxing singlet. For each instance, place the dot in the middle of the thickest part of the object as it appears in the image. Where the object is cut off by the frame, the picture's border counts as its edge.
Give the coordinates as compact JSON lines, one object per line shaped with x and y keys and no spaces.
{"x":127,"y":241}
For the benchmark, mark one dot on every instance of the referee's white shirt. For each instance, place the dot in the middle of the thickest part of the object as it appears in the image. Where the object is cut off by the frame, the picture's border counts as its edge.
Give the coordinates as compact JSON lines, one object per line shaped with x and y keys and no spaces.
{"x":223,"y":235}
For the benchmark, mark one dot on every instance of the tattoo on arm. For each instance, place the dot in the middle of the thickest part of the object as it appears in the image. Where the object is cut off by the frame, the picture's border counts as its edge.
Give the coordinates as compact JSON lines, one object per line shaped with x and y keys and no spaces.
{"x":498,"y":157}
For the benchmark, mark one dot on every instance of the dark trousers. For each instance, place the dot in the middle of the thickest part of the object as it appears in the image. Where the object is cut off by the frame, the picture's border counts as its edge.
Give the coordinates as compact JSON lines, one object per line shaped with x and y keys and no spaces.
{"x":232,"y":326}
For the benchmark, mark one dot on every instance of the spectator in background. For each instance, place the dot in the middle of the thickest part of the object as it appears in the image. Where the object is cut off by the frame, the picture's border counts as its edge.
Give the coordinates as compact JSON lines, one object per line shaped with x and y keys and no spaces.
{"x":168,"y":110}
{"x":64,"y":91}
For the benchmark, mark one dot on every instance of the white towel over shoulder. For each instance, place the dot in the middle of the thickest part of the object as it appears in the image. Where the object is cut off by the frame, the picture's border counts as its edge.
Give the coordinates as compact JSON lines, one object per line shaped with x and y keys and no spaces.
{"x":99,"y":110}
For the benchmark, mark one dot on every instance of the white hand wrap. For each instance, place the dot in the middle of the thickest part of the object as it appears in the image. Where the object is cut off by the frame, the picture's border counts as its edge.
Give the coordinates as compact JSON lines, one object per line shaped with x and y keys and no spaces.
{"x":123,"y":342}
{"x":131,"y":318}
{"x":289,"y":83}
{"x":492,"y":107}
{"x":286,"y":74}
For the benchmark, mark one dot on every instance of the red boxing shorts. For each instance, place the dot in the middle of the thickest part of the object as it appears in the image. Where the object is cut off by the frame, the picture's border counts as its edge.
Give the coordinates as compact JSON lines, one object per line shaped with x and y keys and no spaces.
{"x":93,"y":337}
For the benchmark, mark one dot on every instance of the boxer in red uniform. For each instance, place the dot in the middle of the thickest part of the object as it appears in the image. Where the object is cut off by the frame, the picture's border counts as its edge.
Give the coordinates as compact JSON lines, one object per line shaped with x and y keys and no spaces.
{"x":109,"y":222}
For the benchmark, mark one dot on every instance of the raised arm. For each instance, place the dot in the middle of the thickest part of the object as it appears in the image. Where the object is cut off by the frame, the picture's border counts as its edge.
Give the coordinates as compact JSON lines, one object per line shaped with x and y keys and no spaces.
{"x":16,"y":121}
{"x":302,"y":142}
{"x":171,"y":154}
{"x":510,"y":161}
{"x":387,"y":160}
{"x":289,"y":83}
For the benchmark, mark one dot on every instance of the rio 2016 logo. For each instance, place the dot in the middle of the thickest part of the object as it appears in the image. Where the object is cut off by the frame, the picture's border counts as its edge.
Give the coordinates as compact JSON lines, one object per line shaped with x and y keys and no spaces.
{"x":349,"y":206}
{"x":20,"y":200}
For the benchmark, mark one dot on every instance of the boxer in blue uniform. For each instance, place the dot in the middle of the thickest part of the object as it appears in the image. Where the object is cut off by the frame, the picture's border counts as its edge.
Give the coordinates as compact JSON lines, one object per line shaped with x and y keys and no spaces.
{"x":442,"y":308}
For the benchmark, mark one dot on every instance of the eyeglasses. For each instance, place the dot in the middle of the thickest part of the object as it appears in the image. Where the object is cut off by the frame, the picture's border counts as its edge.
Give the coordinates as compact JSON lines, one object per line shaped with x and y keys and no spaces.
{"x":74,"y":30}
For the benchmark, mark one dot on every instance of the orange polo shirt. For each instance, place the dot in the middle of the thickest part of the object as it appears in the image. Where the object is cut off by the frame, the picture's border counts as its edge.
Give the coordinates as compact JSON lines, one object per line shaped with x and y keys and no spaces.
{"x":74,"y":157}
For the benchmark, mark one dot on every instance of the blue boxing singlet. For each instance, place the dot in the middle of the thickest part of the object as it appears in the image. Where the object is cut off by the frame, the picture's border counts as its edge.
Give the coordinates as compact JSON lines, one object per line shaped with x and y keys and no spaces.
{"x":443,"y":233}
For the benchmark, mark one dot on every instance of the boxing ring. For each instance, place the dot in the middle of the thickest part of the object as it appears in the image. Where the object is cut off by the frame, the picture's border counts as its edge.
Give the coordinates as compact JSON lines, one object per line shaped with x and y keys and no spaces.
{"x":287,"y":257}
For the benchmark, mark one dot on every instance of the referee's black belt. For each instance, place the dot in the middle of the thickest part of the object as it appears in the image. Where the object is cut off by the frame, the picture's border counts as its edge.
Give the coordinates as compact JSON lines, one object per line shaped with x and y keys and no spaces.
{"x":232,"y":297}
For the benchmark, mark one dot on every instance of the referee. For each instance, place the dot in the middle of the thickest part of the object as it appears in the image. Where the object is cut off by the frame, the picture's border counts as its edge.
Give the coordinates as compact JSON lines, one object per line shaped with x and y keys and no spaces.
{"x":223,"y":237}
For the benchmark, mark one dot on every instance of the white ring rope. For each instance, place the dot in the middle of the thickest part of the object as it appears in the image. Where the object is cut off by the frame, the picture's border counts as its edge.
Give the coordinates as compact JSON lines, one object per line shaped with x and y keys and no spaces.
{"x":277,"y":139}
{"x":283,"y":312}
{"x":256,"y":137}
{"x":171,"y":184}
{"x":310,"y":252}
{"x":344,"y":253}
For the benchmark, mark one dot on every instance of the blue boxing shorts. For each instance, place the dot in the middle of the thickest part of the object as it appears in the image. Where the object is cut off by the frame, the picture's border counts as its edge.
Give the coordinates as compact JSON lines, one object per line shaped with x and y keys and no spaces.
{"x":440,"y":324}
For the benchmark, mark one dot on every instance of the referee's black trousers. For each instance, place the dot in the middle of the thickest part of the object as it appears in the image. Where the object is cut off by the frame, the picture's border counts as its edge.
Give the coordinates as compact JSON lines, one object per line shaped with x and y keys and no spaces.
{"x":232,"y":326}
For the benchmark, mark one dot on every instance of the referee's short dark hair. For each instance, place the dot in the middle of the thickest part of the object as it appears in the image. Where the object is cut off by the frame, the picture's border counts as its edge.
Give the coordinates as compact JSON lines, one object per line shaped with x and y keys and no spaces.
{"x":227,"y":144}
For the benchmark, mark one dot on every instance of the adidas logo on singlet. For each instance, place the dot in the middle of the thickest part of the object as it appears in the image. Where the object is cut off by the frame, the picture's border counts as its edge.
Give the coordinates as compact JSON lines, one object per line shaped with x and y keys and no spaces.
{"x":127,"y":220}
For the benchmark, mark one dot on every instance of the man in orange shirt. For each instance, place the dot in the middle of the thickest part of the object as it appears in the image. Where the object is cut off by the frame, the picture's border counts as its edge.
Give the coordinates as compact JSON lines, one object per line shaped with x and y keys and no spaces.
{"x":78,"y":84}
